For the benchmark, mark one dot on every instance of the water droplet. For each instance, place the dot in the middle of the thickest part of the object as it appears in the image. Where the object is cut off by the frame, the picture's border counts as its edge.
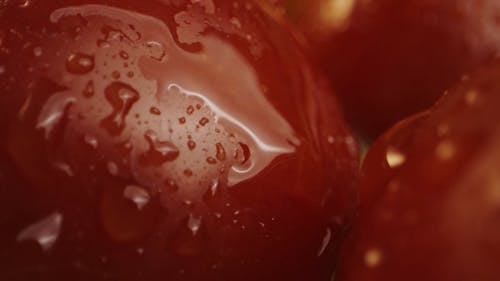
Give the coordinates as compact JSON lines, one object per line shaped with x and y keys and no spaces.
{"x":214,"y":186}
{"x":45,"y":232}
{"x":130,"y":74}
{"x":331,"y":139}
{"x":394,"y":157}
{"x":116,"y":75}
{"x":37,"y":51}
{"x":190,"y":110}
{"x":79,"y":63}
{"x":121,"y":97}
{"x":157,"y":51}
{"x":53,"y":112}
{"x":112,"y":168}
{"x":211,"y":160}
{"x":124,"y":55}
{"x":103,"y":44}
{"x":91,"y":141}
{"x":155,"y":111}
{"x":194,"y":224}
{"x":372,"y":258}
{"x":203,"y":121}
{"x":326,"y":241}
{"x":23,"y":3}
{"x":89,"y":89}
{"x":221,"y":152}
{"x":182,"y":120}
{"x":188,"y":172}
{"x":159,"y":151}
{"x":246,"y":152}
{"x":2,"y":69}
{"x":138,"y":195}
{"x":191,"y":144}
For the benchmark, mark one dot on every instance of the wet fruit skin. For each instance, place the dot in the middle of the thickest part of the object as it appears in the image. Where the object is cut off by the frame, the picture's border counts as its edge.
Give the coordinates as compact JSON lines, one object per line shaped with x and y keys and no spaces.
{"x":430,"y":193}
{"x":153,"y":140}
{"x":388,"y":59}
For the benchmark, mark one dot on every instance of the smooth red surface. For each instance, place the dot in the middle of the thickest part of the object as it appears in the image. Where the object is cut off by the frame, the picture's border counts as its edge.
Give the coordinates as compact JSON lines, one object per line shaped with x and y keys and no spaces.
{"x":388,"y":59}
{"x":165,"y":140}
{"x":430,"y":193}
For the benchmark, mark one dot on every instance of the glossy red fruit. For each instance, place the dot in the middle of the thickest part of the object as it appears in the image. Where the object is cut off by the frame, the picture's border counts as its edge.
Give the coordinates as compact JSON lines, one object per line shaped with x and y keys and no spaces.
{"x":430,"y":193}
{"x":388,"y":59}
{"x":165,"y":140}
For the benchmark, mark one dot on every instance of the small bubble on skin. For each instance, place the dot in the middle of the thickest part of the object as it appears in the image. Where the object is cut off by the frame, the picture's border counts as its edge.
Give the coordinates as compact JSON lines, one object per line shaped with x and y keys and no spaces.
{"x":191,"y":145}
{"x":155,"y":111}
{"x":2,"y":69}
{"x":190,"y":110}
{"x":37,"y":51}
{"x":394,"y":157}
{"x":372,"y":258}
{"x":112,"y":168}
{"x":330,"y":139}
{"x":130,"y":74}
{"x":182,"y":120}
{"x":445,"y":150}
{"x":79,"y":63}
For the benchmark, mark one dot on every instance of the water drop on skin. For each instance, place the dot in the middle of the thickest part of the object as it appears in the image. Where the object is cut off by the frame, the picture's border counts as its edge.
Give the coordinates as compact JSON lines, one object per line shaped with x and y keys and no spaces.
{"x":79,"y":63}
{"x":121,"y":97}
{"x":45,"y":232}
{"x":194,"y":224}
{"x":394,"y":157}
{"x":139,"y":196}
{"x":221,"y":152}
{"x":159,"y":151}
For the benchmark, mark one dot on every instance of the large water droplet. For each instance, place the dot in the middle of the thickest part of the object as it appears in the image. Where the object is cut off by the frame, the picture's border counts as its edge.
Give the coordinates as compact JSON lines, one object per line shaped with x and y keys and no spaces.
{"x":45,"y":232}
{"x":138,"y":195}
{"x":121,"y":97}
{"x":79,"y":63}
{"x":159,"y":151}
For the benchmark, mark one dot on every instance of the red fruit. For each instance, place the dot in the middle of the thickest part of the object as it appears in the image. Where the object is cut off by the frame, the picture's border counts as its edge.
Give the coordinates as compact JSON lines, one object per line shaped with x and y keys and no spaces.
{"x":388,"y":59}
{"x":430,"y":193}
{"x":165,"y":140}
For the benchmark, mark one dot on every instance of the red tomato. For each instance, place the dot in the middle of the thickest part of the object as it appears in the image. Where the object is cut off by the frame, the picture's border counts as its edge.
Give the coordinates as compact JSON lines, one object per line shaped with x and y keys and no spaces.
{"x":165,"y":140}
{"x":388,"y":59}
{"x":430,"y":193}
